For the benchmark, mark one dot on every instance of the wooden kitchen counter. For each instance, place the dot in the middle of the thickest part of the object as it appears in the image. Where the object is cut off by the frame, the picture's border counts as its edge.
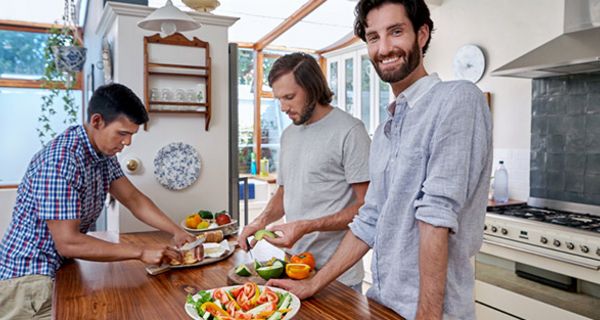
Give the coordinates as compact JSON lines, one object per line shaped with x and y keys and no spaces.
{"x":123,"y":290}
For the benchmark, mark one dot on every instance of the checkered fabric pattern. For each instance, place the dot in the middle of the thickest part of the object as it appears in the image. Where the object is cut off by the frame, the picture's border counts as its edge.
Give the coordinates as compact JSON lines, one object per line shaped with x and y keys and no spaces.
{"x":65,"y":180}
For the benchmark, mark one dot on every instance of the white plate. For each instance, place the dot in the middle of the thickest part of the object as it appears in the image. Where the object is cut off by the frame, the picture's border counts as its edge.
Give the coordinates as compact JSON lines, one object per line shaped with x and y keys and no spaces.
{"x":177,"y":166}
{"x":294,"y":305}
{"x":228,"y":229}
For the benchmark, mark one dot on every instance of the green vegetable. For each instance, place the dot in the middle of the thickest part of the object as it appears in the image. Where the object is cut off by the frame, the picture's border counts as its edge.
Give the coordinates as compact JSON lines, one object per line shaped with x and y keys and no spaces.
{"x":205,"y":214}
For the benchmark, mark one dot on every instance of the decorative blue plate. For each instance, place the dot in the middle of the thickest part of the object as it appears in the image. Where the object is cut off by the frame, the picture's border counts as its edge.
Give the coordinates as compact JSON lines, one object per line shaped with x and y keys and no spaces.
{"x":177,"y":166}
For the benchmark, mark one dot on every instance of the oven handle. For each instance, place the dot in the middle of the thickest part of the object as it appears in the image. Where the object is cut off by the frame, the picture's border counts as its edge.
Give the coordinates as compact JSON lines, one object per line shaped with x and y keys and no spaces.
{"x":544,"y":254}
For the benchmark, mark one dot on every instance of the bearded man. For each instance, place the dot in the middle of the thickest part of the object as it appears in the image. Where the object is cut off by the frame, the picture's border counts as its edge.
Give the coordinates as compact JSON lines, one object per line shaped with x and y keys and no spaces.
{"x":323,"y":167}
{"x":430,"y":170}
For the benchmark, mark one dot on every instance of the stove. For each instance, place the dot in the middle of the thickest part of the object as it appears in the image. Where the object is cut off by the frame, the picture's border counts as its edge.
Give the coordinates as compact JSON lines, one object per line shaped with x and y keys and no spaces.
{"x":563,"y":231}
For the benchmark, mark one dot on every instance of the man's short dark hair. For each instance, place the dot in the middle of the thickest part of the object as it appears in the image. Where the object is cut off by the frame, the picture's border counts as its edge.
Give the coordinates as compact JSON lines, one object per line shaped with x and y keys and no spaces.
{"x":417,"y":11}
{"x":114,"y":100}
{"x":307,"y":74}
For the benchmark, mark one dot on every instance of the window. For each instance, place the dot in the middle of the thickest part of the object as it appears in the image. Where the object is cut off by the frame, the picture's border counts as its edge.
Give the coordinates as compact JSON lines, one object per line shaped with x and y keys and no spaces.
{"x":364,"y":96}
{"x":21,"y":93}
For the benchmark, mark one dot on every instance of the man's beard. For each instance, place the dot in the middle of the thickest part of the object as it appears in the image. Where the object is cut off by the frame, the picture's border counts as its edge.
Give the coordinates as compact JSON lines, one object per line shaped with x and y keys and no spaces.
{"x":413,"y":58}
{"x":306,"y":113}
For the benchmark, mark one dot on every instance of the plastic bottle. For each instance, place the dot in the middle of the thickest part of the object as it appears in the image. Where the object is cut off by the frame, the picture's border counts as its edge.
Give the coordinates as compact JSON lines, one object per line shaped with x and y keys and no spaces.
{"x":252,"y":163}
{"x":501,"y":184}
{"x":264,"y":167}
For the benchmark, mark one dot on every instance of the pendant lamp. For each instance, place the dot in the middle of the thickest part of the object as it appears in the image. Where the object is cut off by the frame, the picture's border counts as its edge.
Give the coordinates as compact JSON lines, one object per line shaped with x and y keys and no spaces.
{"x":168,"y":20}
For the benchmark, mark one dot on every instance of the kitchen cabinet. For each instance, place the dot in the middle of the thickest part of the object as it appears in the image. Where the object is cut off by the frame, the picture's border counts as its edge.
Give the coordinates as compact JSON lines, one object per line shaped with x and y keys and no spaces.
{"x":174,"y":82}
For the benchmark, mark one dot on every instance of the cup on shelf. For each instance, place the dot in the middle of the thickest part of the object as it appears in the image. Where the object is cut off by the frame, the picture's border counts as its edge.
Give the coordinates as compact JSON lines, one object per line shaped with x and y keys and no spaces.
{"x":154,"y":94}
{"x":180,"y":95}
{"x":166,"y":94}
{"x":191,"y":96}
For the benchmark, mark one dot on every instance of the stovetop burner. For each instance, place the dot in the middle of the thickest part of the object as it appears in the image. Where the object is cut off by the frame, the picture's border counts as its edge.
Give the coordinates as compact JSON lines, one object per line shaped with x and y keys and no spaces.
{"x":581,"y":221}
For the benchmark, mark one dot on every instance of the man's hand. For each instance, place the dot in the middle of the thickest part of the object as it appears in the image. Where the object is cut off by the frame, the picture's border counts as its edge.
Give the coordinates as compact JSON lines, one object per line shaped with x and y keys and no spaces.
{"x":181,"y":237}
{"x":158,"y":254}
{"x":248,"y":231}
{"x":291,"y":231}
{"x":303,"y":288}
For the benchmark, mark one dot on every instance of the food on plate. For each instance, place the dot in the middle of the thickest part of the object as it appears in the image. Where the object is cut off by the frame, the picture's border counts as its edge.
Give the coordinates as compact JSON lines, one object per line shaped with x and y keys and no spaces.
{"x":304,"y":257}
{"x":190,"y":256}
{"x":192,"y":220}
{"x":203,"y":224}
{"x":242,"y":270}
{"x":215,"y":250}
{"x":214,"y":236}
{"x":270,"y":272}
{"x":222,"y":218}
{"x":241,"y":302}
{"x":297,"y":271}
{"x":205,"y":214}
{"x":260,"y":234}
{"x":271,"y":261}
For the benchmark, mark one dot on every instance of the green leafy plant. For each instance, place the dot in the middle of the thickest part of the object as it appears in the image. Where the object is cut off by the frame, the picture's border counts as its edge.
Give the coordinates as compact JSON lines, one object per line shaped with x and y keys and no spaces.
{"x":56,"y":81}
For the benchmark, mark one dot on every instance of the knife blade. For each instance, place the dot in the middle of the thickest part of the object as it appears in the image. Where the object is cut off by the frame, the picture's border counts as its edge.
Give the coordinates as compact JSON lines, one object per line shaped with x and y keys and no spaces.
{"x":193,"y":244}
{"x":250,"y":250}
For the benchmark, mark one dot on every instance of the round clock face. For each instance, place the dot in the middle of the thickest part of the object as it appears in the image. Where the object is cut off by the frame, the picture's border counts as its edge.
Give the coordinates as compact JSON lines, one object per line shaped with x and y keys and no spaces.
{"x":469,"y":63}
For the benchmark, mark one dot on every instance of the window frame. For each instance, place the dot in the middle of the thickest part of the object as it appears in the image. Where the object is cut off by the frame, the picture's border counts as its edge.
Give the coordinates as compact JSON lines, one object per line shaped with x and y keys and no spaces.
{"x":23,"y":26}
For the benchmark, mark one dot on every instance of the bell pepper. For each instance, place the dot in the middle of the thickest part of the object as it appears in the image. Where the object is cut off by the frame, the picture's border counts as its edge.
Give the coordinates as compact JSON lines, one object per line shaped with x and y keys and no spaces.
{"x":305,"y":258}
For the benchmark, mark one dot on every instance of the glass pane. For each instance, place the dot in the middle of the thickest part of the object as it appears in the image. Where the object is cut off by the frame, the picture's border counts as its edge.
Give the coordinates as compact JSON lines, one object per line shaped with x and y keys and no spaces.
{"x":246,"y":67}
{"x":19,"y":112}
{"x":333,"y":82}
{"x":272,"y":122}
{"x":349,"y":86}
{"x":22,"y":54}
{"x":245,"y":109}
{"x":384,"y":100}
{"x":365,"y":94}
{"x":267,"y":64}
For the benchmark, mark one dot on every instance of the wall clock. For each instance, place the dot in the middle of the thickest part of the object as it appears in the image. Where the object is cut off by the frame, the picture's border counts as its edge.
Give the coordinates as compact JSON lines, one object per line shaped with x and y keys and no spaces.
{"x":469,"y":63}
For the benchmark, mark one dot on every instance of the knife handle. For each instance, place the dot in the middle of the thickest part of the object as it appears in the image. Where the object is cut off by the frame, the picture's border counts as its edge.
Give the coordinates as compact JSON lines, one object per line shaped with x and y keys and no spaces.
{"x":154,"y":270}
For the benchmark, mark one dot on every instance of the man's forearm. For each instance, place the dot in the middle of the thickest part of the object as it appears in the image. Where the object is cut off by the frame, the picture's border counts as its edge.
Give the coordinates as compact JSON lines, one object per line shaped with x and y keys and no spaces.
{"x":86,"y":247}
{"x":273,"y":210}
{"x":350,"y":250}
{"x":433,"y":268}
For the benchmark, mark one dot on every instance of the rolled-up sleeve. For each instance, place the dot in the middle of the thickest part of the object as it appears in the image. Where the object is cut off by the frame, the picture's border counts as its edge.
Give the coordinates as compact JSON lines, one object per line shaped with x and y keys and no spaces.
{"x":364,"y":223}
{"x":453,"y":160}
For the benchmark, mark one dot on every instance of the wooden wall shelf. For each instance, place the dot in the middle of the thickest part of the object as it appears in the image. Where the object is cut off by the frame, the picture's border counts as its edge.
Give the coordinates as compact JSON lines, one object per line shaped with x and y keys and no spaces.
{"x":168,"y":67}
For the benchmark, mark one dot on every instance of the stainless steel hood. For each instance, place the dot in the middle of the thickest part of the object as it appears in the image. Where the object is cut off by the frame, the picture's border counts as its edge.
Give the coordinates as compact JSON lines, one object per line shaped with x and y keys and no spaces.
{"x":575,"y":51}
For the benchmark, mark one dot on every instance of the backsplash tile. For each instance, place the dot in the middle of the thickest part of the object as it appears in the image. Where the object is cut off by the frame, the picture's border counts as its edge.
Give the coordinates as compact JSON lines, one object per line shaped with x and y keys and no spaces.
{"x":565,"y":139}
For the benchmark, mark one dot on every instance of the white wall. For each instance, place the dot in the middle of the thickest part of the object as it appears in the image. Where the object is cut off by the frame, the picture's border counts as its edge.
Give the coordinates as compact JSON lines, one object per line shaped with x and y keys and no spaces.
{"x":7,"y":202}
{"x":211,"y":189}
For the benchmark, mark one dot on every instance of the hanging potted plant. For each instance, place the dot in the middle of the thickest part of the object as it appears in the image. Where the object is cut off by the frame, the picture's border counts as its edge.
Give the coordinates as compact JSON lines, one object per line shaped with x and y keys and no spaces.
{"x":64,"y":56}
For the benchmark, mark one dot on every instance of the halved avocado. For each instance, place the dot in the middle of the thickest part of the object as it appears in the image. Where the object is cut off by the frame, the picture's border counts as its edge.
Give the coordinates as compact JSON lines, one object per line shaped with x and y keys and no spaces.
{"x":260,"y":234}
{"x":242,"y":270}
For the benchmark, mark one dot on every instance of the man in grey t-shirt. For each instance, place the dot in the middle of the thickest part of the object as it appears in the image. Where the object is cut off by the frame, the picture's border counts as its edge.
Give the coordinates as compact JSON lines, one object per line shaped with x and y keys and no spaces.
{"x":323,"y":167}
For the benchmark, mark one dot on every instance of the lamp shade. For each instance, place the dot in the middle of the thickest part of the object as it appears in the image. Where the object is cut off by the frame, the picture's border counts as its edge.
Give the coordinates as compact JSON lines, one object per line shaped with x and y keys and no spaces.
{"x":168,"y":17}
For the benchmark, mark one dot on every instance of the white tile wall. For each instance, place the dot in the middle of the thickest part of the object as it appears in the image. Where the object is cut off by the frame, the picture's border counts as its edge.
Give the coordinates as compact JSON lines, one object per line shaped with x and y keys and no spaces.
{"x":516,"y":162}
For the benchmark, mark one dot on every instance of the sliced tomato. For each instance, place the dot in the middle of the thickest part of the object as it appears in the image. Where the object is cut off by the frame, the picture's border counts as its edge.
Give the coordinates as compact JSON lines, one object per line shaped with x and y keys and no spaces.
{"x":268,"y":295}
{"x":240,"y":315}
{"x":236,"y":292}
{"x":220,"y":295}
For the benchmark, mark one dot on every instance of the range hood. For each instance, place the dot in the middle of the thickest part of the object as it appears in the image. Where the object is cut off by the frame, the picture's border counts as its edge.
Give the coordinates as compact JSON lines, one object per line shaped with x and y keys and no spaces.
{"x":577,"y":50}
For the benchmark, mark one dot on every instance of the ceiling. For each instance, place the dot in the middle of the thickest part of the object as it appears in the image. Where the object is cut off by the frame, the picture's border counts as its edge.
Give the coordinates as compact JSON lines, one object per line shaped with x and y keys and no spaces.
{"x":326,"y":25}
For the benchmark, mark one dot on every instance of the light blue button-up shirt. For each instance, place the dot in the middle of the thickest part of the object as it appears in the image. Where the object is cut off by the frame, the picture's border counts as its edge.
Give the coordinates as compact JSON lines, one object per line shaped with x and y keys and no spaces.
{"x":430,"y":161}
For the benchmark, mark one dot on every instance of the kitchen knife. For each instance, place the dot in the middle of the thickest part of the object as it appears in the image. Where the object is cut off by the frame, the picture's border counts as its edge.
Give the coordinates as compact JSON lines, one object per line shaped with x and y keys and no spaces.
{"x":250,"y":250}
{"x":193,"y":244}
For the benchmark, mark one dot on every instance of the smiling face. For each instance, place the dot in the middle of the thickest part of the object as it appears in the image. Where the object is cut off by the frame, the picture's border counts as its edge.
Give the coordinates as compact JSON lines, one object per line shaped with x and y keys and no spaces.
{"x":293,"y":99}
{"x":393,"y":46}
{"x":110,"y":139}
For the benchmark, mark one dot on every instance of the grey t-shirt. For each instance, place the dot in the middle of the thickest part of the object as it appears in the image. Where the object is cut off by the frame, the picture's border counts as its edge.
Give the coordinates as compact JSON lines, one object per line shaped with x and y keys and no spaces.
{"x":317,"y":165}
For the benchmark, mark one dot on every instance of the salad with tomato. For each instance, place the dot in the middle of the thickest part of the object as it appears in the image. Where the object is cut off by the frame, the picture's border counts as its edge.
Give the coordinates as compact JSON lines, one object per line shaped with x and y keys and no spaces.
{"x":245,"y":302}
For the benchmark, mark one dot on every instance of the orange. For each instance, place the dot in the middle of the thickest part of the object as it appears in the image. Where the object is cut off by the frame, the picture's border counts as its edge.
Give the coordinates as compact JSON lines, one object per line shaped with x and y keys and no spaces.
{"x":192,"y":220}
{"x":304,"y":257}
{"x":297,"y":271}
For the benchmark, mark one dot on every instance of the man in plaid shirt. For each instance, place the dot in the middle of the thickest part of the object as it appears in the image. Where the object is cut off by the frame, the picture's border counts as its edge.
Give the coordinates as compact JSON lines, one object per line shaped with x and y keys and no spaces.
{"x":61,"y":196}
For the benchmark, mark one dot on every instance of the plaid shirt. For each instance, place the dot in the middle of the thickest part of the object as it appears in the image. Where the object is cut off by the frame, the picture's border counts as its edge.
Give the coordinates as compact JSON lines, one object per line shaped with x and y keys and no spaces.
{"x":66,"y":180}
